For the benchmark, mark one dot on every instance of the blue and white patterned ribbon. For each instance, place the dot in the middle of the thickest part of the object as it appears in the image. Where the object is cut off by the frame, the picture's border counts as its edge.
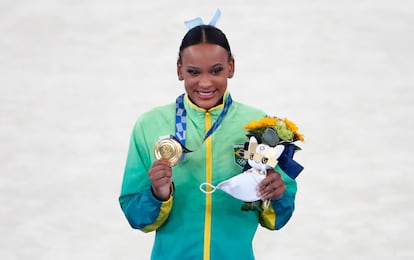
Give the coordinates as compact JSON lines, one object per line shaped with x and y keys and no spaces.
{"x":181,"y":121}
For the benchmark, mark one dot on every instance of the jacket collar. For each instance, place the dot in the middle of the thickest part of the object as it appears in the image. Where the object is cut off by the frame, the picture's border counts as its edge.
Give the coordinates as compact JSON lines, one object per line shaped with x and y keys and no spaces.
{"x":189,"y":105}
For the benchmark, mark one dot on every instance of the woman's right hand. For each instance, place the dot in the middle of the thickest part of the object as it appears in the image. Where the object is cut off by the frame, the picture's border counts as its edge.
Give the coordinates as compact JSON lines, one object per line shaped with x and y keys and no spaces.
{"x":160,"y":175}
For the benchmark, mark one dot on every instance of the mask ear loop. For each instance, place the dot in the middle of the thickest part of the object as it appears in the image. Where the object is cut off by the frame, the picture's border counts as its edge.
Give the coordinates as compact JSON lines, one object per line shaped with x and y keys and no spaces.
{"x":214,"y":188}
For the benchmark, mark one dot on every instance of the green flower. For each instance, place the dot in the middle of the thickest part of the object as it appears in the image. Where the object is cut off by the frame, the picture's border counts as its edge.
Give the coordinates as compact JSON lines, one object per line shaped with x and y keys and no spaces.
{"x":283,"y":131}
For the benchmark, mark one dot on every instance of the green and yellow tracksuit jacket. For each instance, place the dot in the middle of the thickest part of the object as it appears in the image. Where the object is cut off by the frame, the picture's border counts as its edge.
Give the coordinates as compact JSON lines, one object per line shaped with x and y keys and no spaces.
{"x":192,"y":224}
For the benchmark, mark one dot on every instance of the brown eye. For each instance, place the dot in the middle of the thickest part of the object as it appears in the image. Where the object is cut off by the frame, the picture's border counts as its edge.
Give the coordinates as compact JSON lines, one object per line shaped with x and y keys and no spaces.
{"x":251,"y":156}
{"x":265,"y":160}
{"x":217,"y":70}
{"x":193,"y":72}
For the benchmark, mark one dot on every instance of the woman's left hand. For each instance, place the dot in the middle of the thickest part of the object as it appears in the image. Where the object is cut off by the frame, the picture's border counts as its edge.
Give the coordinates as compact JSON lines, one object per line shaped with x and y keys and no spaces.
{"x":272,"y":187}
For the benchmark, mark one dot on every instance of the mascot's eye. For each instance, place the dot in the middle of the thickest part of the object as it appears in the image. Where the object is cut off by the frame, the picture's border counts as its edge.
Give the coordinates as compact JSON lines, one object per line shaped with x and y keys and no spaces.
{"x":251,"y":156}
{"x":264,"y":160}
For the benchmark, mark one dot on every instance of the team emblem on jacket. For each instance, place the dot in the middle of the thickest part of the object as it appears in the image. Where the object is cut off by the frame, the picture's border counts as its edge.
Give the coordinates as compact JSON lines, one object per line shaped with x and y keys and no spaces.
{"x":238,"y":155}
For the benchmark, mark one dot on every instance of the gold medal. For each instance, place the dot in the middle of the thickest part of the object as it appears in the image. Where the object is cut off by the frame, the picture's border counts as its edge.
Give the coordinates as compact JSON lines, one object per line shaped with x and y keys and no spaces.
{"x":168,"y":149}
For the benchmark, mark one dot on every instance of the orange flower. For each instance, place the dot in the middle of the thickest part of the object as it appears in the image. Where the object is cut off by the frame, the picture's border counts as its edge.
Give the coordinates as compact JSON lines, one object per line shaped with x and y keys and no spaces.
{"x":294,"y":129}
{"x":291,"y":125}
{"x":264,"y":122}
{"x":300,"y":137}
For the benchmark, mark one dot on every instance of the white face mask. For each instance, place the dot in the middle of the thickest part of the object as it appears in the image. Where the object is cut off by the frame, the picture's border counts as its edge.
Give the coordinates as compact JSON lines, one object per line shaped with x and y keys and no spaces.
{"x":242,"y":186}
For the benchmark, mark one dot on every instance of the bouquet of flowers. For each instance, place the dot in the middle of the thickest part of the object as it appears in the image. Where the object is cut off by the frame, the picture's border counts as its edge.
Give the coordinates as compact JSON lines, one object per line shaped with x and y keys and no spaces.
{"x":273,"y":131}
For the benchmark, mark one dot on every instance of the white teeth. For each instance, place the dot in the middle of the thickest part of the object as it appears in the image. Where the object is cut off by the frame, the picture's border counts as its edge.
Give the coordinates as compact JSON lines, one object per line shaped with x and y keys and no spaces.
{"x":205,"y":93}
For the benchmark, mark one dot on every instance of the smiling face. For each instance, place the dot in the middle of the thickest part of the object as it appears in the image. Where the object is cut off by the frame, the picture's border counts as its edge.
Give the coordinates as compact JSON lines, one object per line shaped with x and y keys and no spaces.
{"x":205,"y":69}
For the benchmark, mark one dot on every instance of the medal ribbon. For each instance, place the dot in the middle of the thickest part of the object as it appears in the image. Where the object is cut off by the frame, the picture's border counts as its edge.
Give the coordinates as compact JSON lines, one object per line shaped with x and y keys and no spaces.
{"x":181,"y":121}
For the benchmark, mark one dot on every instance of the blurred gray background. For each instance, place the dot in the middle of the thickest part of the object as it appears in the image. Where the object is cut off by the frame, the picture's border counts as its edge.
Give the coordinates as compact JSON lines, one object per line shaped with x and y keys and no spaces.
{"x":75,"y":75}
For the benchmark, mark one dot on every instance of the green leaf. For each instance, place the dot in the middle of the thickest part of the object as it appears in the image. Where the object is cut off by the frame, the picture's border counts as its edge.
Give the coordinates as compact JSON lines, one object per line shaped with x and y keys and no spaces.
{"x":270,"y":137}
